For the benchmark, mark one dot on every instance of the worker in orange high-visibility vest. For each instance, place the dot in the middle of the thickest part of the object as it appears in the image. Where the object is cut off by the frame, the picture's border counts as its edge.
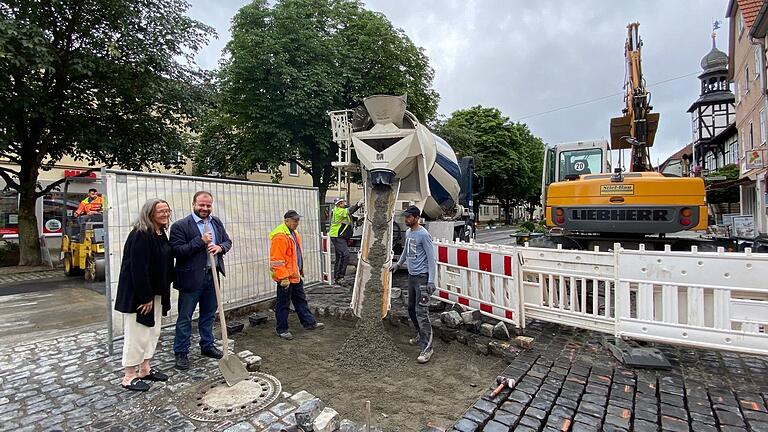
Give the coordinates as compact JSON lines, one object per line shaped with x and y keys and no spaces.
{"x":92,"y":205}
{"x":286,"y":264}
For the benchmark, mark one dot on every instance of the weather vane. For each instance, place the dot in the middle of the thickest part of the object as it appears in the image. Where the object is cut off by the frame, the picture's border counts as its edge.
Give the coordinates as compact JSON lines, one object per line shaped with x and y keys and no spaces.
{"x":715,"y":26}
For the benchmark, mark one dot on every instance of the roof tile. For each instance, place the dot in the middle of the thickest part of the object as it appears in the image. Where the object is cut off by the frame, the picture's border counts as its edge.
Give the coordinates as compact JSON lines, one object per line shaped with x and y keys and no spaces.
{"x":749,"y":8}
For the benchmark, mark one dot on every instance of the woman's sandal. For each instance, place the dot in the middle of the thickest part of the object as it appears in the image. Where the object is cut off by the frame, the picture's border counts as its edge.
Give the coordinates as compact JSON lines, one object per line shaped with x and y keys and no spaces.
{"x":136,"y":385}
{"x":154,"y":375}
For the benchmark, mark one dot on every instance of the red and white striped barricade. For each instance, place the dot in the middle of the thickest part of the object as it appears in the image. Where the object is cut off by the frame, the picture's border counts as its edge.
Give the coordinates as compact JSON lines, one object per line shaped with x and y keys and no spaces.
{"x":481,"y":277}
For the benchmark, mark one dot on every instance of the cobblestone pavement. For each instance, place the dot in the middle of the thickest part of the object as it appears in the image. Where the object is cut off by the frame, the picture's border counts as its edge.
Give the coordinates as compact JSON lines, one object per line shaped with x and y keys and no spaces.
{"x":568,"y":381}
{"x":8,"y":277}
{"x":71,"y":384}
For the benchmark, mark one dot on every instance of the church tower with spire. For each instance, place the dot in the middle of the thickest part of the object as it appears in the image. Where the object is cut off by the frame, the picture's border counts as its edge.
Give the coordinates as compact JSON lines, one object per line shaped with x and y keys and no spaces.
{"x":713,"y":115}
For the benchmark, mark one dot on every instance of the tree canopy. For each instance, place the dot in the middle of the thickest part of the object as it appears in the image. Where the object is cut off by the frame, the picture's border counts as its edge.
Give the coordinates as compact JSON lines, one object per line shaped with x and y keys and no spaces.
{"x":105,"y":81}
{"x":507,"y":155}
{"x":287,"y":65}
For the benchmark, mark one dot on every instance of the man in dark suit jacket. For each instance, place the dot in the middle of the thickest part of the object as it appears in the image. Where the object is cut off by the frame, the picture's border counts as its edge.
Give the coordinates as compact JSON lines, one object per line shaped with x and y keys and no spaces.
{"x":192,"y":239}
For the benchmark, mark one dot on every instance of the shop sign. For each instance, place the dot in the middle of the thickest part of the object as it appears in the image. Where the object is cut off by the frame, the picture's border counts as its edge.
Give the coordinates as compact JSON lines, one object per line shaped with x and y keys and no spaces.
{"x":754,"y":159}
{"x":75,"y":173}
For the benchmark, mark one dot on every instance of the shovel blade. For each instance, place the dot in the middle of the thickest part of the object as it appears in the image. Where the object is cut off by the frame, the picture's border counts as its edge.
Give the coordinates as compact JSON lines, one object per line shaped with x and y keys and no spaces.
{"x":233,"y":370}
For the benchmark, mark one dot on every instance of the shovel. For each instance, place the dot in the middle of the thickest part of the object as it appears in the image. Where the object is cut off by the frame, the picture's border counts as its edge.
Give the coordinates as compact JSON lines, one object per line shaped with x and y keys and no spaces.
{"x":231,"y":367}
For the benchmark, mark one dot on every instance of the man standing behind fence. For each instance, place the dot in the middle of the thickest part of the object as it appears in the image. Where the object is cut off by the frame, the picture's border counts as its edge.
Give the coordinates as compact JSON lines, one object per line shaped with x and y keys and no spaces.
{"x":341,"y":231}
{"x":286,"y":264}
{"x":192,"y":239}
{"x":419,"y":253}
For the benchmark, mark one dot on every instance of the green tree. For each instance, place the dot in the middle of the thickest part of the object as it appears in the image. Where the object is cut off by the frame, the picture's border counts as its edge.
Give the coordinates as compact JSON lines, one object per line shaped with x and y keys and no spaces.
{"x":105,"y":81}
{"x":287,"y":66}
{"x":507,"y":155}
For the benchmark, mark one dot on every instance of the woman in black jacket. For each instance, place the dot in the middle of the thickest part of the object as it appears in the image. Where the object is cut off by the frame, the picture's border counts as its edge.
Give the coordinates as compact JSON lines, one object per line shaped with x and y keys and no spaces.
{"x":144,"y":292}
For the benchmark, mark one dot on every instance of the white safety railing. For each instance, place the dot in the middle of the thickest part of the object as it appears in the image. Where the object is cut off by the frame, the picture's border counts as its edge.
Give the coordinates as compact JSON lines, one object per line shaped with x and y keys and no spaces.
{"x":568,"y":287}
{"x":702,"y":299}
{"x":712,"y":300}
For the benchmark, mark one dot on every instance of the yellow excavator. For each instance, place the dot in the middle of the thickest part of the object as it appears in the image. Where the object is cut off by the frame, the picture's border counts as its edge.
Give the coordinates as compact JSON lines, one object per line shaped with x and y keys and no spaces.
{"x":587,"y":205}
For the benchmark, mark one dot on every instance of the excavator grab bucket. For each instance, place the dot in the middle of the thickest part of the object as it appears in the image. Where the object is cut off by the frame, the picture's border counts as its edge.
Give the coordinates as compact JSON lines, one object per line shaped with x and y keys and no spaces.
{"x":620,"y":128}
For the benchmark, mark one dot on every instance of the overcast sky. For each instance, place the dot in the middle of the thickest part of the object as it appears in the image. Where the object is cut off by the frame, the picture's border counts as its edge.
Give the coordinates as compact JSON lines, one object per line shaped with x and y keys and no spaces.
{"x":527,"y":57}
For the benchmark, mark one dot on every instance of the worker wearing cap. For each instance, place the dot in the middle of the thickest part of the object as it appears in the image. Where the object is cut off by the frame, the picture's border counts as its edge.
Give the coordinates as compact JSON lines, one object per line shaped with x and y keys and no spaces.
{"x":340,"y":232}
{"x":286,"y":262}
{"x":419,"y":254}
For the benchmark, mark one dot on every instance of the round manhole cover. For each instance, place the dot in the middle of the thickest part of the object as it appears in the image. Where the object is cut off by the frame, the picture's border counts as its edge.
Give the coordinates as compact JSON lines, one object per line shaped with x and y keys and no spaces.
{"x":212,"y":400}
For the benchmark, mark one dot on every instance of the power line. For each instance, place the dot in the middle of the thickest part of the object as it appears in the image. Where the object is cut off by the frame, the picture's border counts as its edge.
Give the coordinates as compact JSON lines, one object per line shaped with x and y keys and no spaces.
{"x":586,"y":102}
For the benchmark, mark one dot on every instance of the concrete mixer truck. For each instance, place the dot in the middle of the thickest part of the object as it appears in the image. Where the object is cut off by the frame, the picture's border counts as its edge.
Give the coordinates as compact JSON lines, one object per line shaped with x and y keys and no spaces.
{"x":401,"y":161}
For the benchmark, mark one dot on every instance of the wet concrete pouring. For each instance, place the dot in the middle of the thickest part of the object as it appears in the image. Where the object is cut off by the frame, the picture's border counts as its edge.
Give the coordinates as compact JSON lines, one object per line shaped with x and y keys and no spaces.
{"x":567,"y":381}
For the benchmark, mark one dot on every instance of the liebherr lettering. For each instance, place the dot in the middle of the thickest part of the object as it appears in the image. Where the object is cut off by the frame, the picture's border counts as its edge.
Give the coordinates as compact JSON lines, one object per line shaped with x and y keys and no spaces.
{"x":629,"y":215}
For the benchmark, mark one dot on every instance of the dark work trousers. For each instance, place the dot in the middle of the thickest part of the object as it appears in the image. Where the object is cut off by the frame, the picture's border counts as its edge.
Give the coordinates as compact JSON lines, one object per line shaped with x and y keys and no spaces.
{"x":419,"y":314}
{"x":292,"y":293}
{"x":206,"y":296}
{"x":341,"y":251}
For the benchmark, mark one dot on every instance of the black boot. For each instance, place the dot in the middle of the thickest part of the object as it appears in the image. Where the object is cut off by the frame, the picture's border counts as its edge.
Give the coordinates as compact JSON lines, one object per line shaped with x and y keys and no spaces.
{"x":182,"y":362}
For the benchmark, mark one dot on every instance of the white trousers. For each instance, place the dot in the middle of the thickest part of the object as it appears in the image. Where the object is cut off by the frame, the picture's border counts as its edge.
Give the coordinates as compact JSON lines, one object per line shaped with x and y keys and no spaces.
{"x":140,"y":341}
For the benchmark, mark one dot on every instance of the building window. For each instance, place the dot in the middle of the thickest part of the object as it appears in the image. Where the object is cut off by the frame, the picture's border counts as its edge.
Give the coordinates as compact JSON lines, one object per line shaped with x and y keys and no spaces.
{"x":262,"y":168}
{"x":763,"y":121}
{"x":746,"y":79}
{"x":293,"y":169}
{"x":751,"y":136}
{"x":740,"y":22}
{"x":758,"y":62}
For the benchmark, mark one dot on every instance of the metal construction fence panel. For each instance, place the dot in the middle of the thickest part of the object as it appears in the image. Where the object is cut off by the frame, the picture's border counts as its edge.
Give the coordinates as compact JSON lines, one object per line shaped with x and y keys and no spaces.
{"x":249,"y":211}
{"x":713,"y":300}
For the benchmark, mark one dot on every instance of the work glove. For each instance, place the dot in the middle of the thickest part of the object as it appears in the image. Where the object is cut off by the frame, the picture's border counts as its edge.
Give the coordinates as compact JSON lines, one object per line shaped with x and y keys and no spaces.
{"x":394,"y":267}
{"x":431,"y":288}
{"x":284,"y":283}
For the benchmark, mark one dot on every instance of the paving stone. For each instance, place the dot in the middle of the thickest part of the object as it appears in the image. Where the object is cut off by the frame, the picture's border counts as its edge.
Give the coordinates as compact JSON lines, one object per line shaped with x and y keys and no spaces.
{"x":645,"y":426}
{"x":485,"y":406}
{"x":506,"y":418}
{"x":519,"y":396}
{"x":476,"y":415}
{"x":327,"y":421}
{"x":566,"y":402}
{"x":513,"y":407}
{"x":465,"y":425}
{"x":591,"y":409}
{"x":584,"y":427}
{"x":673,"y":411}
{"x":595,"y":399}
{"x":701,"y":427}
{"x":264,"y":419}
{"x":620,"y":422}
{"x":729,"y":418}
{"x":494,"y":426}
{"x":531,"y":422}
{"x":241,"y":427}
{"x":282,"y":409}
{"x":702,"y":418}
{"x":674,"y":424}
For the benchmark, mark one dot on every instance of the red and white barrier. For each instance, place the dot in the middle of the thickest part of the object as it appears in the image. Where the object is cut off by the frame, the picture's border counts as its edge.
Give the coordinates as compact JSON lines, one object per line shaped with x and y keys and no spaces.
{"x":325,"y":251}
{"x":480,"y":277}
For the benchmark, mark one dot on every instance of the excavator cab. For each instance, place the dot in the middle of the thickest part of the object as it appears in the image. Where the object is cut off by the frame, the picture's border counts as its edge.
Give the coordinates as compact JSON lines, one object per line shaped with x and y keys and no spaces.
{"x":571,"y":161}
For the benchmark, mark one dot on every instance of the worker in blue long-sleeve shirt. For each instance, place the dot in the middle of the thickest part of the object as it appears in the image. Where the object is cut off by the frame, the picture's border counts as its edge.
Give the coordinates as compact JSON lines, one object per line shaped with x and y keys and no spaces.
{"x":419,"y":254}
